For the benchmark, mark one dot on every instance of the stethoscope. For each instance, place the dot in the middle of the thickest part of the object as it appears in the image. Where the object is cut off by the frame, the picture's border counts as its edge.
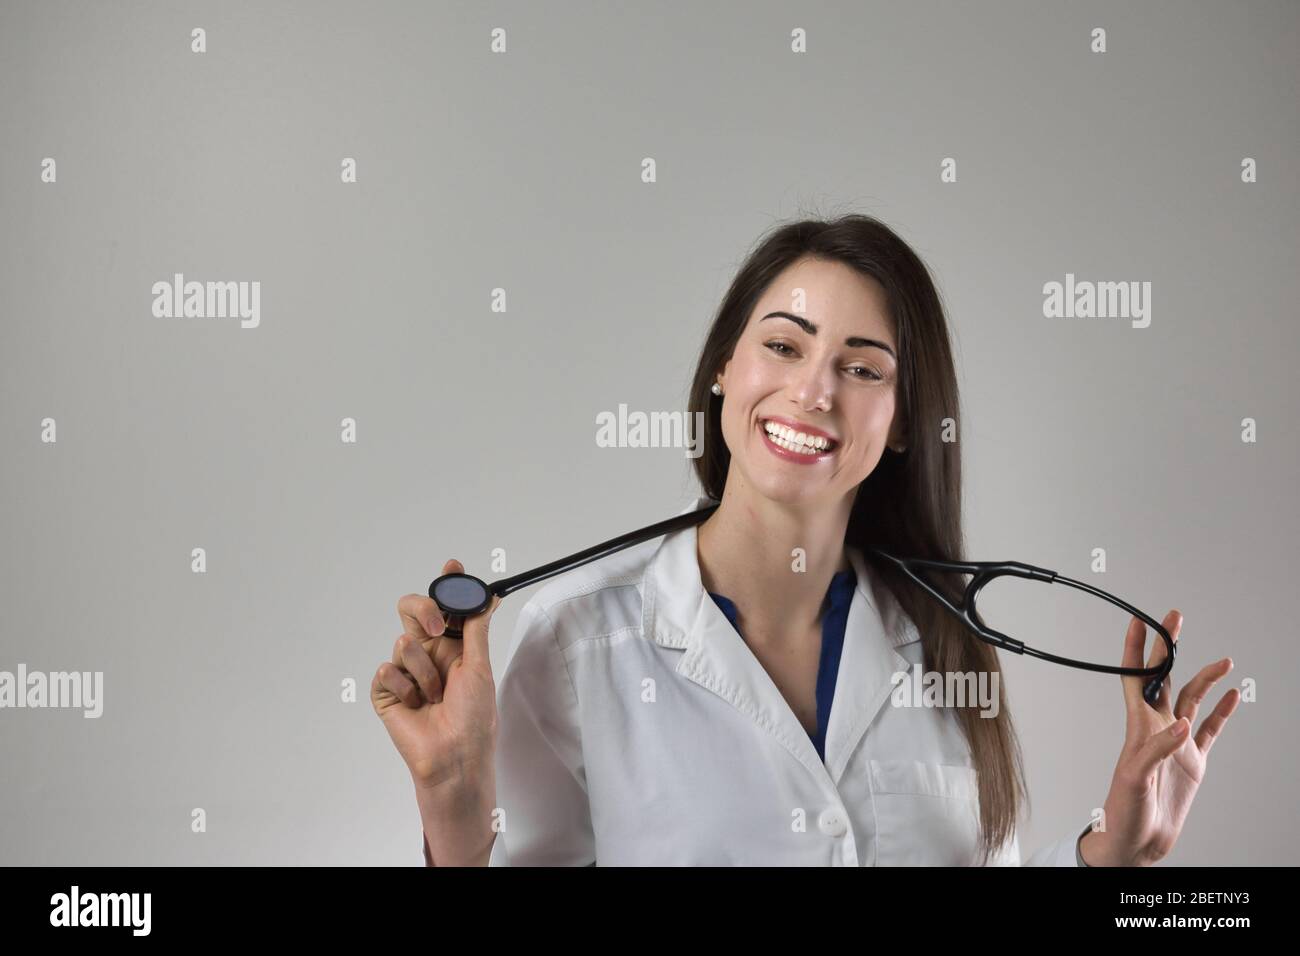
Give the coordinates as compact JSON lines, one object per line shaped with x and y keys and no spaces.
{"x":463,"y":595}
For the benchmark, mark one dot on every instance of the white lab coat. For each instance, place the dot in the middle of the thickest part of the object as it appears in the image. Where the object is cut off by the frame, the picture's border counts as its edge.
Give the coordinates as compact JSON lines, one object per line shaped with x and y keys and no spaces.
{"x":637,"y":728}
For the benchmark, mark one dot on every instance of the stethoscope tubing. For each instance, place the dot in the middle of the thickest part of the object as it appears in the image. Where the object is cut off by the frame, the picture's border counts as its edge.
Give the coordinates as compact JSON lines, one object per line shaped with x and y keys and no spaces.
{"x":480,"y":593}
{"x":508,"y":585}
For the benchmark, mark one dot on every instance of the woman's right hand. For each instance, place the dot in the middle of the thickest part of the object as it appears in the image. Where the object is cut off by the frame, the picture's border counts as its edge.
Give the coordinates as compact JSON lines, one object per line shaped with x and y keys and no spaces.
{"x":437,"y":697}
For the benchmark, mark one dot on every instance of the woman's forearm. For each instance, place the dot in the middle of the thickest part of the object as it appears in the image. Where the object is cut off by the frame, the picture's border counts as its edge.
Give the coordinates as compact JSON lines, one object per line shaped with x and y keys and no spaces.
{"x":457,"y":821}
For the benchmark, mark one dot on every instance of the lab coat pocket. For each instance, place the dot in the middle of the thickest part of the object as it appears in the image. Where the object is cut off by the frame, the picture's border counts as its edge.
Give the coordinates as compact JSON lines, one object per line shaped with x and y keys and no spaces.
{"x":927,"y":814}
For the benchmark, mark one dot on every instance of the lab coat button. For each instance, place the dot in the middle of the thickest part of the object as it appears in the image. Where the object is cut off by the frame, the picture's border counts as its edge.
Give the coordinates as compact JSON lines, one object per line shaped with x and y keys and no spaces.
{"x":831,"y":822}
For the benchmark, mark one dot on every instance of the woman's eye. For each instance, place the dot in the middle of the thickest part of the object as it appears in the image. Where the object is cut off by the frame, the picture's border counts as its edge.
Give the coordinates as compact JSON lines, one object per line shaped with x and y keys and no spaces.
{"x":859,"y":371}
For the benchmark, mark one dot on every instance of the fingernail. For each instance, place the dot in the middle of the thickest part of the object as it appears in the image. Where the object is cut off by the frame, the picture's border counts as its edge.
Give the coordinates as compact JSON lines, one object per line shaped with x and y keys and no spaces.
{"x":1180,"y":728}
{"x":433,"y":628}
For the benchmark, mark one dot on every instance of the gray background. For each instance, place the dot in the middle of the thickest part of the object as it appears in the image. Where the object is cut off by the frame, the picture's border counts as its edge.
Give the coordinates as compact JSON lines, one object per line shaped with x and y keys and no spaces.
{"x":476,"y":429}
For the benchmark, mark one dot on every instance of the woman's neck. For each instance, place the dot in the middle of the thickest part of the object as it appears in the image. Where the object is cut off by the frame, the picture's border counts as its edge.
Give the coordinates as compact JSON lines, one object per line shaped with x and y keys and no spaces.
{"x":775,"y":562}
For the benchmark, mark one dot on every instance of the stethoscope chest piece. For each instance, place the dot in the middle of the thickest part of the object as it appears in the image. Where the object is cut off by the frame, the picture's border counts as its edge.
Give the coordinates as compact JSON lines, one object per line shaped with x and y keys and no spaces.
{"x":461,"y":595}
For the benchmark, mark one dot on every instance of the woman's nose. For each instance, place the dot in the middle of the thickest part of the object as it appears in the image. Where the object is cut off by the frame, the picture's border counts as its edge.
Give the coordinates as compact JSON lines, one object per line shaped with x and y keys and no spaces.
{"x":814,"y":389}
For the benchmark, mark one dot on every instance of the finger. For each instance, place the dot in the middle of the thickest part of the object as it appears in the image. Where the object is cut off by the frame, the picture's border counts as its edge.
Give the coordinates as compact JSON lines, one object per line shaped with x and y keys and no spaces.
{"x":440,"y":651}
{"x":1209,"y":732}
{"x":1173,"y":623}
{"x":1196,"y":689}
{"x":381,"y":698}
{"x":1134,"y":645}
{"x":449,"y":649}
{"x":475,"y":638}
{"x":1134,"y":640}
{"x":420,"y":616}
{"x":424,"y":620}
{"x":1160,"y":745}
{"x":399,"y":685}
{"x":419,"y":665}
{"x":379,"y":694}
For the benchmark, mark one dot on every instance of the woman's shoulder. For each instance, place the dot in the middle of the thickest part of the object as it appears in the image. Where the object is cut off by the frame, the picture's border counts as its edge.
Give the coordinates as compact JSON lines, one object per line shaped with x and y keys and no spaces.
{"x":593,"y":600}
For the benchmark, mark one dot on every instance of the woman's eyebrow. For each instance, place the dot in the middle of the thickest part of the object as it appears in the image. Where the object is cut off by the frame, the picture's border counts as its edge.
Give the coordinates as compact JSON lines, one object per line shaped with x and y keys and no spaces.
{"x":853,"y":341}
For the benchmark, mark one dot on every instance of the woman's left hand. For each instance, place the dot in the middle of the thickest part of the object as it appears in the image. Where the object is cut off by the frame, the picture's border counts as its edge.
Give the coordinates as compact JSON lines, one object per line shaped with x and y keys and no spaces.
{"x":1161,"y":764}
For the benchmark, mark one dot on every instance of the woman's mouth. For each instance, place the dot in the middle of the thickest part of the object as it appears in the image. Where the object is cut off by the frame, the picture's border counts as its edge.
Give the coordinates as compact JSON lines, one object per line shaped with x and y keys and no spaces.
{"x":793,"y":445}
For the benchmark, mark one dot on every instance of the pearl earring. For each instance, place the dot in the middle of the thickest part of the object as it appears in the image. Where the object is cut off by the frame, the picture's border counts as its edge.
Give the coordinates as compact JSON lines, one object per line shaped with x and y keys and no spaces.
{"x":716,"y":389}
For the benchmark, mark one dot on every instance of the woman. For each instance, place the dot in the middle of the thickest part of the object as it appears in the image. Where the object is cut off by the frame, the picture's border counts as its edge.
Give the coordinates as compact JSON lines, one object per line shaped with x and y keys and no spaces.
{"x":672,"y":703}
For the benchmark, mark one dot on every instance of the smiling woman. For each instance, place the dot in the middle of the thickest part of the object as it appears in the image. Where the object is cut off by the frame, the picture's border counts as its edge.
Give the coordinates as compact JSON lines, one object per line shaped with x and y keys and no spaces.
{"x":724,"y":692}
{"x":835,"y":330}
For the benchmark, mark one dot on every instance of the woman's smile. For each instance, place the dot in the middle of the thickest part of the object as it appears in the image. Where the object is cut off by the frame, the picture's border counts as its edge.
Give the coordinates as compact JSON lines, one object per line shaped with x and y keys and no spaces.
{"x":799,"y":446}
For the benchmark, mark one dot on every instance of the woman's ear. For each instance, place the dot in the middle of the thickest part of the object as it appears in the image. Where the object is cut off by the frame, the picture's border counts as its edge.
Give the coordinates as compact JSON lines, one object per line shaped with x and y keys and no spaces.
{"x":720,"y":376}
{"x":897,"y":438}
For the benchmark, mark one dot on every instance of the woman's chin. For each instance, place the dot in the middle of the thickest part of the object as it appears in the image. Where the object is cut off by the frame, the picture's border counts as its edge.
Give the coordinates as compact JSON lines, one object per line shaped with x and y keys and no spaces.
{"x":790,"y":491}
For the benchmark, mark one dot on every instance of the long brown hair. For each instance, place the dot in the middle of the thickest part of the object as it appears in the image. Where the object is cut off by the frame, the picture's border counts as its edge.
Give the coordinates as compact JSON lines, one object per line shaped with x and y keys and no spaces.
{"x":910,"y":505}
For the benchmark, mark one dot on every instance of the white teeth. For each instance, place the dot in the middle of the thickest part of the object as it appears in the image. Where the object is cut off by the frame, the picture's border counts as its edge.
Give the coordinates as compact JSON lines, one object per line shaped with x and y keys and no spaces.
{"x":792,"y":440}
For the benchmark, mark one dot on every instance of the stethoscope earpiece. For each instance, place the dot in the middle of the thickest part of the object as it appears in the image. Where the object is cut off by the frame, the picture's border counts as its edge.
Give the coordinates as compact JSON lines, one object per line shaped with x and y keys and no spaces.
{"x":985,"y":571}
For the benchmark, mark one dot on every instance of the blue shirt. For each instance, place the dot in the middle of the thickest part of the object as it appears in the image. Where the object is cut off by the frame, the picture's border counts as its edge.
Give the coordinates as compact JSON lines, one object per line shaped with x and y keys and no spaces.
{"x":840,"y":596}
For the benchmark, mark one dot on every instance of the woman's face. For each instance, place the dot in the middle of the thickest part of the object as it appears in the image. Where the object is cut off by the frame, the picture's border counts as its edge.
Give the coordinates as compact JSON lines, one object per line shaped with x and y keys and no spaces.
{"x":817,"y":373}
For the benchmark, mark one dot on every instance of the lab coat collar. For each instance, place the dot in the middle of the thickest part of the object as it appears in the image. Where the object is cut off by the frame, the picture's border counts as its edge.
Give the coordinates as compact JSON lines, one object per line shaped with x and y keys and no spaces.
{"x":677,"y":612}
